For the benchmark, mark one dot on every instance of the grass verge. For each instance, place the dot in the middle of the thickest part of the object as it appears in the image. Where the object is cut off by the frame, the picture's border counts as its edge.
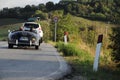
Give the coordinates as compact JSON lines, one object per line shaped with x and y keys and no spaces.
{"x":8,"y":24}
{"x":82,"y":65}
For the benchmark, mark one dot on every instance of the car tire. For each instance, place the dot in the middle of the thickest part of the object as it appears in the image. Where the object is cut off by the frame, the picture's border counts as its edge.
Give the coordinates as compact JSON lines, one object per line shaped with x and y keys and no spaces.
{"x":10,"y":46}
{"x":41,"y":40}
{"x":36,"y":47}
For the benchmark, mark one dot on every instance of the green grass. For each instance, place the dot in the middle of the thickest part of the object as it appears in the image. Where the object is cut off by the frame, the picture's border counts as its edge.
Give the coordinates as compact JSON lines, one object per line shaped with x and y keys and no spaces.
{"x":85,"y":68}
{"x":8,"y":24}
{"x":82,"y":64}
{"x":10,"y":21}
{"x":71,"y":50}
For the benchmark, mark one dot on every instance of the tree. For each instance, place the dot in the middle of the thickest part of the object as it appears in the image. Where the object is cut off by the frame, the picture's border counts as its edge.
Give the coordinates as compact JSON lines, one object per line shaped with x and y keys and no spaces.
{"x":27,"y":8}
{"x":40,"y":14}
{"x":115,"y":45}
{"x":50,"y":6}
{"x":65,"y":24}
{"x":34,"y":8}
{"x":68,"y":8}
{"x":41,"y":7}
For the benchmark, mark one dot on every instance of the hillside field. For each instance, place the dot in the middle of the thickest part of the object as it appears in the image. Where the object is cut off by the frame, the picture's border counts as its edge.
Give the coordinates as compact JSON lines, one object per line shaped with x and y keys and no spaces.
{"x":8,"y":24}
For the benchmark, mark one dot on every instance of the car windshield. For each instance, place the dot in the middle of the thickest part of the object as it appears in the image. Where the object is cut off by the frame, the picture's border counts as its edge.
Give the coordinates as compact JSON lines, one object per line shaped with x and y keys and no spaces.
{"x":31,"y":25}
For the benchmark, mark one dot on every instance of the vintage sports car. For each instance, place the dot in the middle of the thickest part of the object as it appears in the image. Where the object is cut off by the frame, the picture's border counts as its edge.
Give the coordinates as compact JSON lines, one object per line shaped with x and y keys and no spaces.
{"x":28,"y":36}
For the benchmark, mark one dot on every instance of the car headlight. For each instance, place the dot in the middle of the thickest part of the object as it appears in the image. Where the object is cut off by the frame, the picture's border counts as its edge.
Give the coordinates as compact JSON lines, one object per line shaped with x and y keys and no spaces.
{"x":33,"y":39}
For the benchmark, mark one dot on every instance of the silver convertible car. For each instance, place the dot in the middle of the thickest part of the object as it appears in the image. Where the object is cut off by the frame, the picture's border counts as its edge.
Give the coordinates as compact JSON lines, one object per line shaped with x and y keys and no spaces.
{"x":29,"y":37}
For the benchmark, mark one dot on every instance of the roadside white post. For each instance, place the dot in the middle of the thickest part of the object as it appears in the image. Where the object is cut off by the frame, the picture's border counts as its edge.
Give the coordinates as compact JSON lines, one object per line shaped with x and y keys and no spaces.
{"x":65,"y":37}
{"x":55,"y":20}
{"x":98,"y":48}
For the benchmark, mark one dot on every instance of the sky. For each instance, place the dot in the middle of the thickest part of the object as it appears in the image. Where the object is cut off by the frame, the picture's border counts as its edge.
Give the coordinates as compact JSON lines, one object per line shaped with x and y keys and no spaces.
{"x":22,"y":3}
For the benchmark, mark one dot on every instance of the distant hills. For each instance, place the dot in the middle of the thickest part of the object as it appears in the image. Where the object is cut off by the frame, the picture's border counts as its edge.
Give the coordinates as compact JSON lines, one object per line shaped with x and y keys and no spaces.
{"x":103,"y":10}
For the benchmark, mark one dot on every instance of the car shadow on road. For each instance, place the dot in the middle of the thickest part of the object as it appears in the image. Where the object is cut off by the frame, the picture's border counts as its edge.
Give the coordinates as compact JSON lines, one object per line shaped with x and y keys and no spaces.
{"x":24,"y":48}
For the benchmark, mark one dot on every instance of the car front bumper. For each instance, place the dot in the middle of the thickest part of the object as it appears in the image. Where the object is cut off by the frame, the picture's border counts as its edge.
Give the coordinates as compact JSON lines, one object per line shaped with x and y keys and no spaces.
{"x":23,"y":43}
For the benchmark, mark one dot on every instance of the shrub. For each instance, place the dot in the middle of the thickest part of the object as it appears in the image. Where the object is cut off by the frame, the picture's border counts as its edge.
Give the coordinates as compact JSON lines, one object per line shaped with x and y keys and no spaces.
{"x":40,"y":14}
{"x":46,"y":30}
{"x":71,"y":50}
{"x":65,"y":24}
{"x":67,"y":49}
{"x":59,"y":46}
{"x":115,"y":45}
{"x":98,"y":16}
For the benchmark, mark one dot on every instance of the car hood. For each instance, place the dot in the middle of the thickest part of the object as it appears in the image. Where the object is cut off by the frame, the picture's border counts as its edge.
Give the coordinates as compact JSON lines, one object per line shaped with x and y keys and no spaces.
{"x":18,"y":34}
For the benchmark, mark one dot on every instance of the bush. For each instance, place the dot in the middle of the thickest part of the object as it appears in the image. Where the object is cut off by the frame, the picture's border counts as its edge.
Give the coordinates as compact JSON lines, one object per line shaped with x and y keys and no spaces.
{"x":59,"y":46}
{"x":72,"y":50}
{"x":115,"y":45}
{"x":66,"y":24}
{"x":98,"y":16}
{"x":46,"y":30}
{"x":67,"y":49}
{"x":40,"y":14}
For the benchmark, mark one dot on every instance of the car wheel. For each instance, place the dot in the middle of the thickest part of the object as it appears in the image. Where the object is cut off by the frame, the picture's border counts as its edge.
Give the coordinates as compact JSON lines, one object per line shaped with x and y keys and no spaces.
{"x":10,"y":46}
{"x":36,"y":47}
{"x":41,"y":40}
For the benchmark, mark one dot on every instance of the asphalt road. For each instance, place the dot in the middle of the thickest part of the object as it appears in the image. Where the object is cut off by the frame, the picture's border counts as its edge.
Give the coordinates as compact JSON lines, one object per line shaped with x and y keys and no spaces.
{"x":31,"y":64}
